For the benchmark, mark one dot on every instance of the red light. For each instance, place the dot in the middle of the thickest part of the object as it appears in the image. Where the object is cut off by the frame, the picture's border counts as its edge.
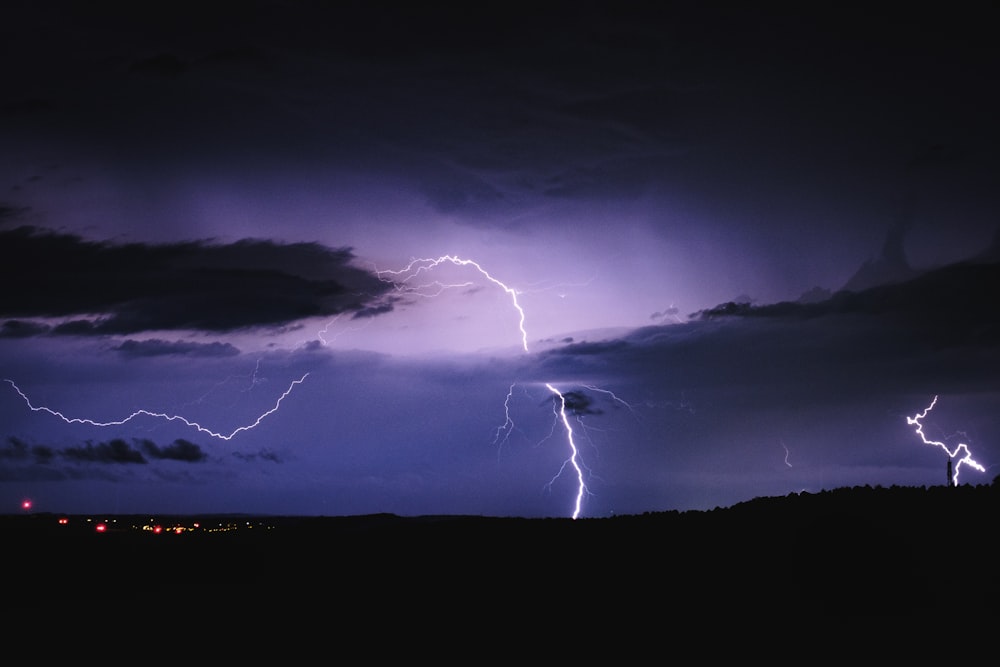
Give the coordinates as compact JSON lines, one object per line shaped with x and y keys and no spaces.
{"x":63,"y":521}
{"x":101,"y":527}
{"x":157,"y":530}
{"x":26,"y":504}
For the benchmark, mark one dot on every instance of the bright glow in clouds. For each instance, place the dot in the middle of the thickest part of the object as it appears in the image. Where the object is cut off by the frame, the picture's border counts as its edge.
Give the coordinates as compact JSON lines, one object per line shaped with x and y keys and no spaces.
{"x":405,"y":280}
{"x":160,"y":415}
{"x":402,"y":278}
{"x":915,"y":421}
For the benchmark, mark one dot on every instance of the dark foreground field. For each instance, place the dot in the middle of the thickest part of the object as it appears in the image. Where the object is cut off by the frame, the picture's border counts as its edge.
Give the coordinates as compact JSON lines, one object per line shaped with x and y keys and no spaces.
{"x":861,"y":550}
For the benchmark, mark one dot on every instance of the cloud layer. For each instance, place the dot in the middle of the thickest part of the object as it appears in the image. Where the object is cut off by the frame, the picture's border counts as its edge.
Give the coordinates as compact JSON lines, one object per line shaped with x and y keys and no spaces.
{"x":105,"y":288}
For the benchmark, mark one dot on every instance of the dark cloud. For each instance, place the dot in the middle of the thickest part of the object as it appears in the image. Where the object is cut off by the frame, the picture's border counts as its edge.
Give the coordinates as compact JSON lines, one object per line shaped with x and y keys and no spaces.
{"x":155,"y":347}
{"x":940,"y":307}
{"x":373,"y":311}
{"x":8,"y":213}
{"x":192,"y":285}
{"x":891,"y":265}
{"x":113,"y":451}
{"x":578,"y":403}
{"x":19,"y":450}
{"x":262,"y":455}
{"x":926,"y":334}
{"x":23,"y":329}
{"x":76,"y":328}
{"x":179,"y":450}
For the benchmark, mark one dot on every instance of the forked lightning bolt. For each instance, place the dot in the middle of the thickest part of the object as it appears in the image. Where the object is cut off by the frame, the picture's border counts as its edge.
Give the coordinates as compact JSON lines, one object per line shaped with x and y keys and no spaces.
{"x":508,"y":424}
{"x":572,"y":461}
{"x":405,"y":280}
{"x":403,"y":277}
{"x":321,"y":334}
{"x":967,"y":459}
{"x":160,"y":415}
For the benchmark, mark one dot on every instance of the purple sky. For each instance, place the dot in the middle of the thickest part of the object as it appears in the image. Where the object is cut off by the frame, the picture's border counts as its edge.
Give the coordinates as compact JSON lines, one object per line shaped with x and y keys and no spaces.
{"x":200,"y":207}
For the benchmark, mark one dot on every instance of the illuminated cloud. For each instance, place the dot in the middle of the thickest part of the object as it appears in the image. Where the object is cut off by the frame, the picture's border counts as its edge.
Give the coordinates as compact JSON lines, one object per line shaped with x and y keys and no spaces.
{"x":616,"y":166}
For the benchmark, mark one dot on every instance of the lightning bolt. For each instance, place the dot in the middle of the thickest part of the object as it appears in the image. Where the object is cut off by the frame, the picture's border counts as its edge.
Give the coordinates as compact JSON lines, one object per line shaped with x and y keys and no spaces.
{"x":402,"y":278}
{"x":787,"y":454}
{"x":507,"y":427}
{"x":572,"y":461}
{"x":406,"y":280}
{"x":613,"y":396}
{"x":160,"y":415}
{"x":966,"y":459}
{"x":320,"y":334}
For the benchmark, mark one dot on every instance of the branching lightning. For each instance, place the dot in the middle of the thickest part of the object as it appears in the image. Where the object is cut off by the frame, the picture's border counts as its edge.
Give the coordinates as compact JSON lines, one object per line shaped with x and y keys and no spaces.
{"x":966,"y":459}
{"x":402,"y":279}
{"x":504,"y":430}
{"x":322,"y":332}
{"x":159,"y":415}
{"x":613,"y":396}
{"x":410,"y":280}
{"x":406,"y":280}
{"x":572,"y":460}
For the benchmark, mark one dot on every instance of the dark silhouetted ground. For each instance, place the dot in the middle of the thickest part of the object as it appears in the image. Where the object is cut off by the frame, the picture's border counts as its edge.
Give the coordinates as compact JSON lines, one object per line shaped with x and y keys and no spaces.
{"x":862,"y":550}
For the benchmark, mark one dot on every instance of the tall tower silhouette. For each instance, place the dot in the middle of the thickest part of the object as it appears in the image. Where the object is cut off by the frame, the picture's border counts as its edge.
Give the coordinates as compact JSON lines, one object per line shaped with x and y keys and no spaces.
{"x":951,"y":481}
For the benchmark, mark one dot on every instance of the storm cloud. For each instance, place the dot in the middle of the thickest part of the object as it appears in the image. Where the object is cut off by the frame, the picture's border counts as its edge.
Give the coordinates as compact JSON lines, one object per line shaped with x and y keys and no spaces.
{"x":128,"y":288}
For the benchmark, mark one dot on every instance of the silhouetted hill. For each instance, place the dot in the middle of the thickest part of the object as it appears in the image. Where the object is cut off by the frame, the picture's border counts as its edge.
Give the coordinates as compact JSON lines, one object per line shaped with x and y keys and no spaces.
{"x":859,"y":550}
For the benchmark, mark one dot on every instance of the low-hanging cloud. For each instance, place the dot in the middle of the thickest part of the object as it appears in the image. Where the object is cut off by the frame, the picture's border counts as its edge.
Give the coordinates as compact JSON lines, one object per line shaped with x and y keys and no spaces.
{"x":928,"y":334}
{"x":156,"y":347}
{"x":115,"y":451}
{"x":106,"y":288}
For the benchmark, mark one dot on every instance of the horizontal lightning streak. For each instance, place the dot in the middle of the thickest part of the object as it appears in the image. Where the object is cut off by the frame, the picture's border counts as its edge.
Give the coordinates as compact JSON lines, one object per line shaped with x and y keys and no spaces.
{"x":159,"y":415}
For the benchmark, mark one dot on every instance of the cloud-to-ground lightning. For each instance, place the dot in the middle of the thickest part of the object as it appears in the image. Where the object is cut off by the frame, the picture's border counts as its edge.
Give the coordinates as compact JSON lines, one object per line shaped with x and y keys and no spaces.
{"x":572,"y":461}
{"x":402,"y":279}
{"x":160,"y":415}
{"x":966,"y":459}
{"x":405,"y":280}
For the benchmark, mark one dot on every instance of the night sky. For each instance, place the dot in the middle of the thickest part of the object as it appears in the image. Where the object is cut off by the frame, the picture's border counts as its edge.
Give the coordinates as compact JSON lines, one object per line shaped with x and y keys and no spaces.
{"x":344,"y":258}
